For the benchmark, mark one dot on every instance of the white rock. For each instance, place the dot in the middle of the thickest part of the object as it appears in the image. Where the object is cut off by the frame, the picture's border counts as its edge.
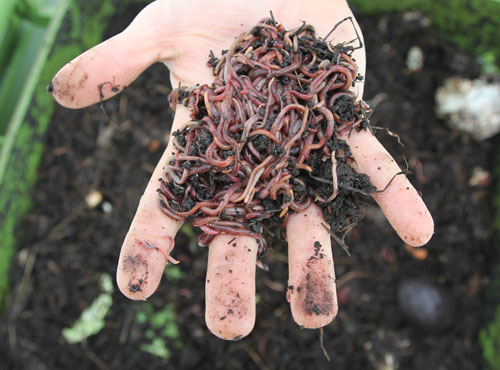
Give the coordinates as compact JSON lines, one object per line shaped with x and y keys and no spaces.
{"x":472,"y":106}
{"x":107,"y":207}
{"x":414,"y":59}
{"x":93,"y":198}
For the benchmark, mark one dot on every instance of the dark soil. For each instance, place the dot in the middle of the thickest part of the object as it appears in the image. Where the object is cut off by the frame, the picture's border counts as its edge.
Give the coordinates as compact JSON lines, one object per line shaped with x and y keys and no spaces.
{"x":65,"y":245}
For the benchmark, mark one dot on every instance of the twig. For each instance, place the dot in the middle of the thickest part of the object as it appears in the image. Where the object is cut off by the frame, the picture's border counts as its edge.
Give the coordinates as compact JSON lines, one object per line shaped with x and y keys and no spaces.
{"x":351,"y":275}
{"x":322,"y":345}
{"x":93,"y":357}
{"x":342,"y":244}
{"x":256,"y":358}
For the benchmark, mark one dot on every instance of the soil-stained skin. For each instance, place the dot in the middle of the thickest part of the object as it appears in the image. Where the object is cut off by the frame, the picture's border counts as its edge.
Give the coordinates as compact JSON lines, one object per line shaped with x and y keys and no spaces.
{"x":230,"y":286}
{"x":141,"y":264}
{"x":76,"y":85}
{"x":149,"y":243}
{"x":311,"y":286}
{"x":402,"y":205}
{"x":67,"y":84}
{"x":136,"y":267}
{"x":315,"y":290}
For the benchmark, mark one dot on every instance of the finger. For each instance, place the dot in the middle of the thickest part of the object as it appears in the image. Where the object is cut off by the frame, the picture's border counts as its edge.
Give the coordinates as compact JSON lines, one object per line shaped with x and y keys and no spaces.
{"x":230,"y":286}
{"x":109,"y":67}
{"x":402,"y":205}
{"x":148,"y":244}
{"x":150,"y":239}
{"x":311,"y":285}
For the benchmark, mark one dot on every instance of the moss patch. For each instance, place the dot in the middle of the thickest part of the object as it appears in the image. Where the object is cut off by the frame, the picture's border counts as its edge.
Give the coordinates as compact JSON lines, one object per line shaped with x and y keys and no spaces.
{"x":471,"y":24}
{"x":74,"y":37}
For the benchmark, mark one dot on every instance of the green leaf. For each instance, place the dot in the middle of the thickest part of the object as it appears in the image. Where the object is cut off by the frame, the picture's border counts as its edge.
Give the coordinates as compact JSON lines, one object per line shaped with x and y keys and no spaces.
{"x":171,"y":330}
{"x":173,"y":272}
{"x":106,"y":283}
{"x":490,"y":342}
{"x":141,"y":317}
{"x":91,"y":321}
{"x":92,"y":318}
{"x":150,"y":334}
{"x":157,"y":348}
{"x":161,"y":318}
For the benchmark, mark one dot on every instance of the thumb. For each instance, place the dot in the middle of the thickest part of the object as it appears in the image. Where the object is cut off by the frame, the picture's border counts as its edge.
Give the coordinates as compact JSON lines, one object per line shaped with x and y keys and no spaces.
{"x":109,"y":67}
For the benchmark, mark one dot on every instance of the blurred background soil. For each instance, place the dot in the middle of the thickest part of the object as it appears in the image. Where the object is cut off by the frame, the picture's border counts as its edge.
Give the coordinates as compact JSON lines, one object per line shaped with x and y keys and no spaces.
{"x":66,"y":245}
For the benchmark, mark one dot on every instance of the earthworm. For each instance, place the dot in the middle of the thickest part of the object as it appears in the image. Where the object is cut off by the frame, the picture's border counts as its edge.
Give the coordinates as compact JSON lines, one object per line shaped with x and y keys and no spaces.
{"x":165,"y":254}
{"x":262,"y":142}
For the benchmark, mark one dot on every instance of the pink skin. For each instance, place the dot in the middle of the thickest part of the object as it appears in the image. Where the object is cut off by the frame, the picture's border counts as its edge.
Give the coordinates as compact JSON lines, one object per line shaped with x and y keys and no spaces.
{"x":403,"y":207}
{"x":230,"y":286}
{"x":181,"y":34}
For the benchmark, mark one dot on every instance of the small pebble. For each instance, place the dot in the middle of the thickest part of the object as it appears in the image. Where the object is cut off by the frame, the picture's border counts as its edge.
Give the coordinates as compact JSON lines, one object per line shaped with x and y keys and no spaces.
{"x":414,"y":59}
{"x":93,"y":198}
{"x":107,"y":207}
{"x":480,"y":177}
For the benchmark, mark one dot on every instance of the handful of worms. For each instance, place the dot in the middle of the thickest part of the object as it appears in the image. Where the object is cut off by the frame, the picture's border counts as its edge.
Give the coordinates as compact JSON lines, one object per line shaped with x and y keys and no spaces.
{"x":264,"y":141}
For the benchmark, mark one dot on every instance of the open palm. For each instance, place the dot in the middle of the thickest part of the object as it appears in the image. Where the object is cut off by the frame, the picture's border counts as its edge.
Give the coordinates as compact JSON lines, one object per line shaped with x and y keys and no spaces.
{"x":181,"y":34}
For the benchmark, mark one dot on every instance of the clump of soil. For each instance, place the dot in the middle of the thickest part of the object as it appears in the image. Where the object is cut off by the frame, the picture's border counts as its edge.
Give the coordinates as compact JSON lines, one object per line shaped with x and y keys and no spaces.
{"x":264,"y":137}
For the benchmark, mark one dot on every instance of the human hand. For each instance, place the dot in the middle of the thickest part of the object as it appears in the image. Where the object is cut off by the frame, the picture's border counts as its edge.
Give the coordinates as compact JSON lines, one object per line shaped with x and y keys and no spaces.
{"x":181,"y":34}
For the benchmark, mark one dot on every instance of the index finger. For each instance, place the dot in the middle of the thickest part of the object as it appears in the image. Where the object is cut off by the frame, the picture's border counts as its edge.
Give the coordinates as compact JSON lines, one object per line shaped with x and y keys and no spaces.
{"x":106,"y":69}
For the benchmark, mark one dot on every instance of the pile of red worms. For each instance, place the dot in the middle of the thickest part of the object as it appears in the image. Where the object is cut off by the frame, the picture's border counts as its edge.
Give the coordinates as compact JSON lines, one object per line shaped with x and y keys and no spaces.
{"x":263,"y":140}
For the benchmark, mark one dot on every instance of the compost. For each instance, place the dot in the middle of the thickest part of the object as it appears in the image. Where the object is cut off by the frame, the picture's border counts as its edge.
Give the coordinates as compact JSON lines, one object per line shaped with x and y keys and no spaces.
{"x":264,"y":137}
